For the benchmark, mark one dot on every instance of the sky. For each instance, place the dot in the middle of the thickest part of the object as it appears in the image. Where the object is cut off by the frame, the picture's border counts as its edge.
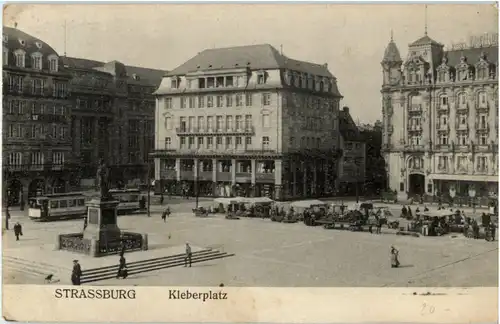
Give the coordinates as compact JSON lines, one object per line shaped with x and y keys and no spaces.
{"x":351,"y":38}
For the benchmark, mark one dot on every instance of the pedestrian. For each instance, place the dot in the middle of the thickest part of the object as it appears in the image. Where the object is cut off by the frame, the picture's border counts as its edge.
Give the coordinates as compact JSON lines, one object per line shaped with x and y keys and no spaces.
{"x":379,"y":225}
{"x":394,"y":257}
{"x":18,"y":230}
{"x":188,"y":255}
{"x":122,"y":267}
{"x":426,"y":209}
{"x":76,"y":274}
{"x":493,"y":230}
{"x":161,"y":199}
{"x":165,"y":214}
{"x":85,"y":223}
{"x":404,"y":212}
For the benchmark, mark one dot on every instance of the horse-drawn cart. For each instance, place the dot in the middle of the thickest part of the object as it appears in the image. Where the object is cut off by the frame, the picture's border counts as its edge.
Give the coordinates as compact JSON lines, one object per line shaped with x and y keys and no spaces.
{"x":200,"y":212}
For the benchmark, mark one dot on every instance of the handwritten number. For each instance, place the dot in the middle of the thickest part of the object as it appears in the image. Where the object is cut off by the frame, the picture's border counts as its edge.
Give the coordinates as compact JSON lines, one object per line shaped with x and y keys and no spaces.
{"x":427,"y":309}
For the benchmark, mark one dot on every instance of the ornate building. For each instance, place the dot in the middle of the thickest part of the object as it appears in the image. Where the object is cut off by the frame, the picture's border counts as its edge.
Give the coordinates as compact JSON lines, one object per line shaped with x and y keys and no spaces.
{"x":352,"y":164}
{"x":247,"y":120}
{"x":112,"y":118}
{"x":36,"y":118}
{"x":440,"y":117}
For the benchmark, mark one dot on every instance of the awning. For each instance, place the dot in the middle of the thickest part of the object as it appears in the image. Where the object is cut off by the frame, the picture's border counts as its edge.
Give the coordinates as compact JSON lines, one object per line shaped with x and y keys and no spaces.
{"x":464,"y":177}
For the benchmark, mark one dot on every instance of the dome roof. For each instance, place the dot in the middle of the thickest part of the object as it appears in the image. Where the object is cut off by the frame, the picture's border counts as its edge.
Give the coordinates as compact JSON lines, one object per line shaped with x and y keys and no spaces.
{"x":391,"y":53}
{"x":14,"y":39}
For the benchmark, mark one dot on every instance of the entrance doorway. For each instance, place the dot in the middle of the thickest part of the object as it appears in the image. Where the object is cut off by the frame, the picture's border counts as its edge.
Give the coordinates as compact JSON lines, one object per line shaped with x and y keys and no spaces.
{"x":417,"y":184}
{"x":14,"y":192}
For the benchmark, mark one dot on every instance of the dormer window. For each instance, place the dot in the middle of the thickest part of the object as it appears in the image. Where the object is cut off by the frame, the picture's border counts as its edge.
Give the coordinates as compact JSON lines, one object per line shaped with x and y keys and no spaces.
{"x":53,"y":63}
{"x":20,"y":58}
{"x":36,"y":61}
{"x":321,"y":86}
{"x":38,"y":44}
{"x":175,"y":82}
{"x":135,"y":77}
{"x":22,"y":42}
{"x":5,"y":56}
{"x":261,"y":77}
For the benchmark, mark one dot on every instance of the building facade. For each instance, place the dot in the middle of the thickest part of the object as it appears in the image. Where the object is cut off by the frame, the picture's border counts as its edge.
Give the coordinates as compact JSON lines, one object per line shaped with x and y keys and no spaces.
{"x":113,"y":119}
{"x":375,"y":171}
{"x":352,"y":164}
{"x":36,"y":146}
{"x":249,"y":121}
{"x":440,"y":115}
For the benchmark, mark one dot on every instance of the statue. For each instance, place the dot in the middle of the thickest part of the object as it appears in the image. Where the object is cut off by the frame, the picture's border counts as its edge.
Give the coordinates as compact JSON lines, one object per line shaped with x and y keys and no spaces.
{"x":102,"y":180}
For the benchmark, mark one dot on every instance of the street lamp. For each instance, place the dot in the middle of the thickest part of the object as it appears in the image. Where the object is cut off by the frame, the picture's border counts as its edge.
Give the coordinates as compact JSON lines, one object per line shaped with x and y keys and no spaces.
{"x":472,"y":195}
{"x":453,"y":193}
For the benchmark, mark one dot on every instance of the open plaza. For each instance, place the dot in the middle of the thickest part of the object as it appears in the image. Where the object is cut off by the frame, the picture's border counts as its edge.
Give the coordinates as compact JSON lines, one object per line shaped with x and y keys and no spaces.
{"x":266,"y":253}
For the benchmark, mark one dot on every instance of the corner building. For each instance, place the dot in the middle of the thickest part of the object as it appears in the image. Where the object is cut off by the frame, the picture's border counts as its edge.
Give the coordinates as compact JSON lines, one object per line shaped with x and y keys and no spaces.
{"x":36,"y":141}
{"x":440,"y":118}
{"x":247,"y":121}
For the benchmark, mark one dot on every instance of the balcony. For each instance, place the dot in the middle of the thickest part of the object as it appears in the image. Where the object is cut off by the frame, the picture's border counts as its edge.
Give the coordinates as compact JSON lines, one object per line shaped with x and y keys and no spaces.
{"x":414,"y":128}
{"x":443,"y":108}
{"x":415,"y":148}
{"x":250,"y":130}
{"x":187,"y":175}
{"x":462,"y":107}
{"x":482,"y":170}
{"x":443,"y":128}
{"x":415,"y":108}
{"x":463,"y":127}
{"x":483,"y":128}
{"x":224,"y":176}
{"x":168,"y":174}
{"x":243,"y":177}
{"x":205,"y":175}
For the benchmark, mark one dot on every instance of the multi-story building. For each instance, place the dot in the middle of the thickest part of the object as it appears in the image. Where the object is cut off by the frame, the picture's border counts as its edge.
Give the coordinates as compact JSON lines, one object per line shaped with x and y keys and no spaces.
{"x":440,"y":115}
{"x":112,"y":118}
{"x":36,"y":118}
{"x":376,"y":173}
{"x":352,"y":162}
{"x":247,"y":118}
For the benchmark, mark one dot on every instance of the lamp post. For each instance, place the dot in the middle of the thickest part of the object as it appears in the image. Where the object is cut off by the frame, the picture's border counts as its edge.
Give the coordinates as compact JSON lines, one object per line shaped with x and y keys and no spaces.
{"x":472,"y":195}
{"x":453,"y":193}
{"x":196,"y":190}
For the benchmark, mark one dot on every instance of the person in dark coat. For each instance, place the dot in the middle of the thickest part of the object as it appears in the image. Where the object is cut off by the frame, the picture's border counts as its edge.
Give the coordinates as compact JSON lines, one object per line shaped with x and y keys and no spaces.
{"x":410,"y":215}
{"x":85,"y":223}
{"x":404,"y":212}
{"x":188,"y":255}
{"x":493,"y":228}
{"x":426,"y":209}
{"x":394,"y":257}
{"x":165,"y":214}
{"x":122,"y":267}
{"x":76,"y":274}
{"x":18,"y":230}
{"x":161,"y":199}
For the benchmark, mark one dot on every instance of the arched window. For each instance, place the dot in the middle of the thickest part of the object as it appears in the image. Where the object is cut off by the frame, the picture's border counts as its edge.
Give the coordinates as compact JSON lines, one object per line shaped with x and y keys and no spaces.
{"x":462,"y":99}
{"x":36,"y":61}
{"x":53,"y":63}
{"x":443,"y":100}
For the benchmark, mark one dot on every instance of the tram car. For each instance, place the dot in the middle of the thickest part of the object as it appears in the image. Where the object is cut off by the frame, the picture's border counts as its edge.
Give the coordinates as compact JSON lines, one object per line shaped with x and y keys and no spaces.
{"x":57,"y":206}
{"x":130,"y":200}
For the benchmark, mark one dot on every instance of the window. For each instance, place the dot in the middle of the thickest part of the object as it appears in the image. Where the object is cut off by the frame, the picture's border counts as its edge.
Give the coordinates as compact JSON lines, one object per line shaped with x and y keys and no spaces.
{"x":444,"y":120}
{"x":183,"y":124}
{"x":201,"y":102}
{"x":239,"y":100}
{"x":248,"y":99}
{"x":168,"y":103}
{"x":442,"y":163}
{"x":261,"y":78}
{"x":218,"y":141}
{"x":57,"y":158}
{"x":482,"y":121}
{"x":210,"y":123}
{"x":168,"y":123}
{"x":462,"y":118}
{"x":192,"y":102}
{"x":229,"y":101}
{"x":248,"y":142}
{"x":443,"y":139}
{"x":210,"y":142}
{"x":462,"y":162}
{"x":5,"y":56}
{"x":54,"y":131}
{"x":175,"y":83}
{"x":265,"y":142}
{"x":37,"y":158}
{"x":401,"y":186}
{"x":201,"y":123}
{"x":444,"y":100}
{"x":168,"y":142}
{"x":220,"y":100}
{"x":266,"y":121}
{"x":482,"y":164}
{"x":37,"y":86}
{"x":248,"y":122}
{"x":20,"y":58}
{"x":219,"y":122}
{"x":16,"y":83}
{"x":266,"y":99}
{"x":229,"y":81}
{"x":189,"y":85}
{"x":239,"y":123}
{"x":200,"y":142}
{"x":210,"y":101}
{"x":60,"y":90}
{"x":53,"y":64}
{"x":462,"y":99}
{"x":482,"y":99}
{"x":239,"y":81}
{"x":15,"y":131}
{"x":15,"y":159}
{"x":462,"y":139}
{"x":190,"y":142}
{"x":36,"y":61}
{"x":239,"y":142}
{"x":292,"y":141}
{"x":201,"y":83}
{"x":483,"y":139}
{"x":191,"y":122}
{"x":229,"y":122}
{"x":229,"y":142}
{"x":183,"y":102}
{"x":183,"y":142}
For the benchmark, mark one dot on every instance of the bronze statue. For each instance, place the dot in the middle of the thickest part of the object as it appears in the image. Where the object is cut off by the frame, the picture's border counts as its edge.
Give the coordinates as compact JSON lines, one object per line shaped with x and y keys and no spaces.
{"x":102,"y":180}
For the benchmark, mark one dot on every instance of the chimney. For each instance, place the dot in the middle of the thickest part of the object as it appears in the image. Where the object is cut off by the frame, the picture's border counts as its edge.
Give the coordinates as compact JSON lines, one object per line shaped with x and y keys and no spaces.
{"x":325,"y":65}
{"x":345,"y":109}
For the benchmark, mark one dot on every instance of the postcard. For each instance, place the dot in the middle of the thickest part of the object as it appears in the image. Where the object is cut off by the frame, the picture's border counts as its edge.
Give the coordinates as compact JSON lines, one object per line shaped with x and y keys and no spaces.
{"x":277,"y":163}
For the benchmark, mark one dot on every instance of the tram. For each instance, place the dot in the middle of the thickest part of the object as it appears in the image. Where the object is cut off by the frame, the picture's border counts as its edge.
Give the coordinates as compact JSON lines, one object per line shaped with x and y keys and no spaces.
{"x":129,"y":200}
{"x":57,"y":206}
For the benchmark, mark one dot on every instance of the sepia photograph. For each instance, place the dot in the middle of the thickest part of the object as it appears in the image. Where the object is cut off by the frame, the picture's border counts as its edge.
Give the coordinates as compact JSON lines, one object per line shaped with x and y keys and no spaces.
{"x":226,"y":146}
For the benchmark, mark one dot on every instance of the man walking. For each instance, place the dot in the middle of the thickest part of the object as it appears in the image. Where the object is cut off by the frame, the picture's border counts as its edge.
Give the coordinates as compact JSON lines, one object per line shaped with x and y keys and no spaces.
{"x":76,"y":274}
{"x":18,"y":230}
{"x":165,"y":214}
{"x":122,"y":268}
{"x":188,"y":255}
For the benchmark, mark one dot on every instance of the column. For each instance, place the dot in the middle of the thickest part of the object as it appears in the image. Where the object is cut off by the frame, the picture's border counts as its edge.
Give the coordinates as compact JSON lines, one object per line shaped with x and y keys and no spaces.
{"x":178,"y":169}
{"x":157,"y":169}
{"x":294,"y":173}
{"x":233,"y":172}
{"x":253,"y":176}
{"x":278,"y":176}
{"x":214,"y":177}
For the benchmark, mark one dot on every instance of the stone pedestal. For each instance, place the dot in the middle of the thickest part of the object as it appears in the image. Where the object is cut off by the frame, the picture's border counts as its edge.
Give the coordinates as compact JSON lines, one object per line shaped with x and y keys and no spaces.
{"x":102,"y":227}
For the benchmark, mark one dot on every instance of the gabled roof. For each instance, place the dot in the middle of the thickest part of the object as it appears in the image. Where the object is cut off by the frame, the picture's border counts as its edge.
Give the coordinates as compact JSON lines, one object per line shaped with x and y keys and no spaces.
{"x":254,"y":57}
{"x":146,"y":76}
{"x":426,"y":40}
{"x":472,"y":55}
{"x":391,"y":53}
{"x":347,"y":127}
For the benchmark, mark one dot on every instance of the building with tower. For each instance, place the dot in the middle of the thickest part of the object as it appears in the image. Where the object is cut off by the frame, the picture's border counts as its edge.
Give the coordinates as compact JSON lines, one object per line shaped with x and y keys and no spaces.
{"x":249,"y":121}
{"x":440,"y":117}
